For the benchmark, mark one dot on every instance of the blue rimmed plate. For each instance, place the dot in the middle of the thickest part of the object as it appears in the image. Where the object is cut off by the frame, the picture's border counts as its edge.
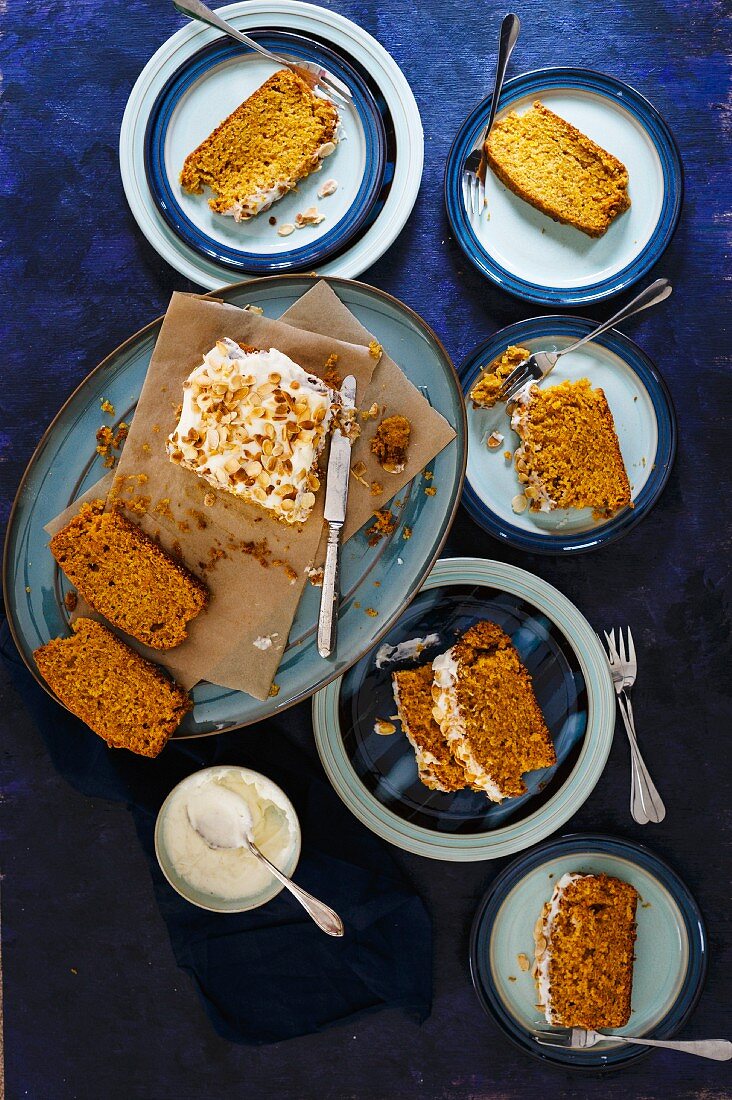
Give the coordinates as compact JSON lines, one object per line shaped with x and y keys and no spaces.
{"x":529,"y":255}
{"x":384,"y":578}
{"x":357,"y":49}
{"x":645,"y":423}
{"x":206,"y":88}
{"x":376,"y":775}
{"x":671,"y":951}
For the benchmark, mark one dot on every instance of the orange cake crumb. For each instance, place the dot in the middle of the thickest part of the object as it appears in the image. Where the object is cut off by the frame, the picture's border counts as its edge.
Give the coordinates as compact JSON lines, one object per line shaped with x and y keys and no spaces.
{"x":484,"y":393}
{"x":391,"y":442}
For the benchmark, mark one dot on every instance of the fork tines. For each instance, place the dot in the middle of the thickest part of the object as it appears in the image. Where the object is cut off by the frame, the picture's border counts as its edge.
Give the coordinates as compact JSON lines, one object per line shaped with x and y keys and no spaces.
{"x":473,"y":193}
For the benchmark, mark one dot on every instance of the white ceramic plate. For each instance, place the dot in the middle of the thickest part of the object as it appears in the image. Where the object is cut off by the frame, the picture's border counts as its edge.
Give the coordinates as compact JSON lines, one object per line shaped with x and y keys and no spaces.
{"x":307,"y":20}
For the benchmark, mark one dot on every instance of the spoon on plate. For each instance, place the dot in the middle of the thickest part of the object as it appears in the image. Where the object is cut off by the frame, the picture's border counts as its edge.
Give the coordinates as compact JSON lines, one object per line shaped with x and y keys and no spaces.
{"x":223,"y":819}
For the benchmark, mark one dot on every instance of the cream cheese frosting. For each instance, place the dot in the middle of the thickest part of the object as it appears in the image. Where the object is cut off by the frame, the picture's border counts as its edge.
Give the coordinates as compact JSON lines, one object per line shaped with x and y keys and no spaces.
{"x":542,"y":937}
{"x":254,"y":424}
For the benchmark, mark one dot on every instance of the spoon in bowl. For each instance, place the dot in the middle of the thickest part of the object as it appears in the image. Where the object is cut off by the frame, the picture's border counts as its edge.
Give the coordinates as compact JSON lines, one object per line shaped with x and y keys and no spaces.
{"x":223,"y":819}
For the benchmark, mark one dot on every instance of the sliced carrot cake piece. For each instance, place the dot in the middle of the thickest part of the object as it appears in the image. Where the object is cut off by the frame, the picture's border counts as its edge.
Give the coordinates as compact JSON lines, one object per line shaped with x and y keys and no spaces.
{"x":127,"y":577}
{"x":584,"y":941}
{"x":275,"y":138}
{"x":438,"y":768}
{"x":253,"y":423}
{"x":484,"y":703}
{"x":123,"y":698}
{"x":569,"y":455}
{"x":484,"y":393}
{"x":557,"y":169}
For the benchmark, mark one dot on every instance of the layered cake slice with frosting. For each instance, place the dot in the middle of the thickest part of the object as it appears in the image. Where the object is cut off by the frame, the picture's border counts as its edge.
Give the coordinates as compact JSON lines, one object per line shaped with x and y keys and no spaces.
{"x":438,"y":768}
{"x":584,"y":942}
{"x":569,"y":455}
{"x":275,"y":138}
{"x":253,"y":424}
{"x":485,"y":706}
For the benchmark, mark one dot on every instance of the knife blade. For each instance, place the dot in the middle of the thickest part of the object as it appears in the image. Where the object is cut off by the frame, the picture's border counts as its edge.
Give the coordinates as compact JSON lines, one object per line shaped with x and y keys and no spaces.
{"x":336,"y":500}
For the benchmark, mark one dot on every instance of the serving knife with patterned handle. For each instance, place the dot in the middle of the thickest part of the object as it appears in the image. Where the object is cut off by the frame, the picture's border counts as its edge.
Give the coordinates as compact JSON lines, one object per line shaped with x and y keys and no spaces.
{"x":336,"y":499}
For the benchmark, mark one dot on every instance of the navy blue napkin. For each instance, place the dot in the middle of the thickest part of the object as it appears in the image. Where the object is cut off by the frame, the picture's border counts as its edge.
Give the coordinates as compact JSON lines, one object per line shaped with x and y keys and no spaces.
{"x":269,"y":974}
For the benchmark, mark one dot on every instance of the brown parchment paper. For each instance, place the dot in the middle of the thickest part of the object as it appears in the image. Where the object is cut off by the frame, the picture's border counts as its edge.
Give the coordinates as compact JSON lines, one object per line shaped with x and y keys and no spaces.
{"x":255,"y":566}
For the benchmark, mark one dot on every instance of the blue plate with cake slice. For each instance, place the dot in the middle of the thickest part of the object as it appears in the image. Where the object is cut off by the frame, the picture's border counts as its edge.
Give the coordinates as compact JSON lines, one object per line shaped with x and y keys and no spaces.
{"x":371,"y":763}
{"x":670,"y":949}
{"x":286,"y":236}
{"x":643,"y":421}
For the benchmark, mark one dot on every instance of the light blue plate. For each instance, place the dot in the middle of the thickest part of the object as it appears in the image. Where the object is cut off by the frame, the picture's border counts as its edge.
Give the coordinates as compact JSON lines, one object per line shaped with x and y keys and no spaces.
{"x":670,"y":951}
{"x":529,"y":255}
{"x":205,"y":89}
{"x":385,"y":577}
{"x":645,"y":423}
{"x":376,"y":775}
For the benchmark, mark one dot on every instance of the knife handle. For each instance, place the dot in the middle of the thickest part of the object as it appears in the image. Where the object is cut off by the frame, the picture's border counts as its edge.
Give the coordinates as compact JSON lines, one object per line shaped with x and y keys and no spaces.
{"x":330,"y":594}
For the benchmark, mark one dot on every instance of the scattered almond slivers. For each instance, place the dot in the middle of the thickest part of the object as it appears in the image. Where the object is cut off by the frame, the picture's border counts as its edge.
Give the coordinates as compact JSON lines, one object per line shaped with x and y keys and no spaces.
{"x":523,"y":961}
{"x":312,"y":216}
{"x":285,"y":230}
{"x":519,"y":503}
{"x":329,"y":187}
{"x":383,"y":727}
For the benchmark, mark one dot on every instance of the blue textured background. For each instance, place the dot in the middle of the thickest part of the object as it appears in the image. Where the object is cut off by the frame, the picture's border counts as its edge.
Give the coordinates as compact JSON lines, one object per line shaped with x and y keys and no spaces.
{"x":94,"y":1004}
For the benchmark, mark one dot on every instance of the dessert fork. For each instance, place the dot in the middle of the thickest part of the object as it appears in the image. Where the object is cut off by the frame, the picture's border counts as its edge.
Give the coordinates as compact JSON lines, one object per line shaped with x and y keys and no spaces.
{"x":541,"y":363}
{"x":646,"y":804}
{"x":580,"y":1039}
{"x":313,"y":75}
{"x":474,"y":167}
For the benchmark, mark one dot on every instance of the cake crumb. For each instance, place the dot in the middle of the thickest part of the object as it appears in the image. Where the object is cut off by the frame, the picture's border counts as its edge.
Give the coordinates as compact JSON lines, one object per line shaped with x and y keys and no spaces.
{"x":273,"y":691}
{"x":428,"y":475}
{"x":384,"y":524}
{"x":70,"y":600}
{"x":376,"y":488}
{"x":331,"y":377}
{"x":371,"y":611}
{"x":315,"y":576}
{"x":370,"y":413}
{"x":145,"y":448}
{"x":523,"y":961}
{"x":358,"y":470}
{"x":511,"y":978}
{"x":107,"y":406}
{"x":258,"y":309}
{"x":390,"y":443}
{"x":162,"y":508}
{"x":430,"y":491}
{"x":507,"y":455}
{"x":406,"y":533}
{"x":375,"y":349}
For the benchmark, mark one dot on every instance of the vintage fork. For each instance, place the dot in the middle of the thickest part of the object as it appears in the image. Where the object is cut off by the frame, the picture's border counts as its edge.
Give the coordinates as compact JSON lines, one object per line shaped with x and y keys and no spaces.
{"x":474,"y":166}
{"x":312,"y":74}
{"x":541,"y":363}
{"x":646,"y":804}
{"x":720,"y":1050}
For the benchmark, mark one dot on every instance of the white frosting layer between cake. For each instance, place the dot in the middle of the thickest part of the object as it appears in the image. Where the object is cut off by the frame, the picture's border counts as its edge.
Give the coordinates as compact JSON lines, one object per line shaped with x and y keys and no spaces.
{"x":253,"y":424}
{"x":447,"y":714}
{"x":544,"y":958}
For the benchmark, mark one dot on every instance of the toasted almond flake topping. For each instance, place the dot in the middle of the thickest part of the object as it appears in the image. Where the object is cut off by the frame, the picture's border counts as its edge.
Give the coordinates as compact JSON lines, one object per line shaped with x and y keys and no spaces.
{"x":286,"y":229}
{"x":383,"y":727}
{"x":523,"y":961}
{"x":329,"y":187}
{"x":519,"y":503}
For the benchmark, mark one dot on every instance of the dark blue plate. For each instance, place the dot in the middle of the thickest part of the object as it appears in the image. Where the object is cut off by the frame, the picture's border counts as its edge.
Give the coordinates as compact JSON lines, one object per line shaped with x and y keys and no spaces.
{"x":645,"y":423}
{"x":670,"y":951}
{"x":204,"y":74}
{"x":386,"y":764}
{"x":526,"y":253}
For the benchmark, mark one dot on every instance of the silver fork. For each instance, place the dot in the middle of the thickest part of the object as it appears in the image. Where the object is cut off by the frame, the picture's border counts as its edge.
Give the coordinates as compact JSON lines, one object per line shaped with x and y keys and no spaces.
{"x":720,"y":1050}
{"x":474,"y":167}
{"x":313,"y":75}
{"x":646,"y":804}
{"x":542,"y":363}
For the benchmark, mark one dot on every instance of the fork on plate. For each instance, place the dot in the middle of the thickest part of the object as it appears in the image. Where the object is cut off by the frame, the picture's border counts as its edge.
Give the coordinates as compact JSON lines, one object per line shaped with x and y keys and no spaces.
{"x":541,"y":363}
{"x":577,"y":1038}
{"x":474,"y":166}
{"x":646,"y":804}
{"x":313,"y":75}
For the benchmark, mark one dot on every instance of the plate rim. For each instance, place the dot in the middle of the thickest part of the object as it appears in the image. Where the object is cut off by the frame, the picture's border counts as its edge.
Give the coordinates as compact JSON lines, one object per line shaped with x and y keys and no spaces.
{"x":465,"y":848}
{"x":364,"y":252}
{"x":145,"y":331}
{"x":622,"y":280}
{"x":581,"y":542}
{"x":697,"y":934}
{"x":262,"y":263}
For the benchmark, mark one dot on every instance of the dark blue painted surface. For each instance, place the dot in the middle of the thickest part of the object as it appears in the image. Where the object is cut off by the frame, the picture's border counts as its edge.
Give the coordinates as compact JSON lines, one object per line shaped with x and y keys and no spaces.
{"x":94,"y":1004}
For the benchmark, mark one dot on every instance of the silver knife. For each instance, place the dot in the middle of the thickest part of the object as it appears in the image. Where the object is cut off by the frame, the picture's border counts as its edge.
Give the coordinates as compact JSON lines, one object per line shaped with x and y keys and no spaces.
{"x":336,"y":498}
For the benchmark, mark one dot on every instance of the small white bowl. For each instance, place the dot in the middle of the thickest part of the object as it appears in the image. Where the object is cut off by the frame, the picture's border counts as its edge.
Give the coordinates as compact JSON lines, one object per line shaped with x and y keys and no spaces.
{"x":212,"y":902}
